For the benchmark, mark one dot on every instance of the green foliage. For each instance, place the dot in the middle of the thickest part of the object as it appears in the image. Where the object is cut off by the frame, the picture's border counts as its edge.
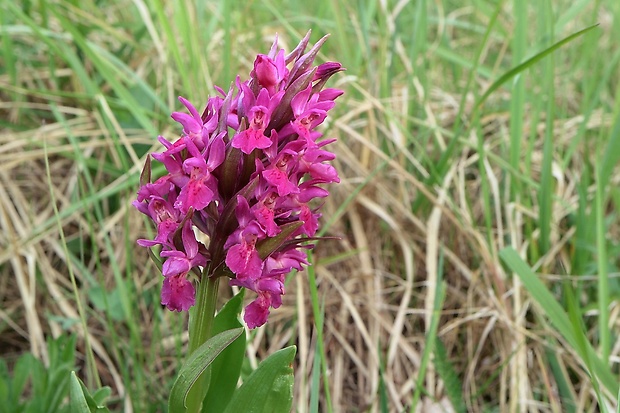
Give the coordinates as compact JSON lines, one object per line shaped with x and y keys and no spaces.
{"x":226,"y":368}
{"x":81,"y":401}
{"x":269,"y":389}
{"x":196,"y":365}
{"x":454,"y":386}
{"x":383,"y":395}
{"x":569,"y":326}
{"x":33,"y":388}
{"x":528,"y":63}
{"x":431,"y":335}
{"x":479,"y":77}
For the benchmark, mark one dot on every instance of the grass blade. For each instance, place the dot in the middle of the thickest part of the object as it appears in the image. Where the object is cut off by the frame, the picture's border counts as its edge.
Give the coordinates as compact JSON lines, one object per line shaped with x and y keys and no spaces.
{"x":531,"y":61}
{"x":558,"y":317}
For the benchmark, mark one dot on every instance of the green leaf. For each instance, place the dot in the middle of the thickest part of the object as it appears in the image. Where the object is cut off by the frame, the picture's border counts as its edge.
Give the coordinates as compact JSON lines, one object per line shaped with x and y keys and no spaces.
{"x":384,"y":399}
{"x":107,"y":301}
{"x":452,"y":383}
{"x":529,"y":62}
{"x":559,"y":318}
{"x":269,"y":245}
{"x":612,"y":154}
{"x":77,"y":398}
{"x":562,"y":381}
{"x":196,"y":365}
{"x":101,"y":395}
{"x":269,"y":389}
{"x":81,"y":399}
{"x":5,"y":379}
{"x":145,"y":175}
{"x":226,"y":368}
{"x":22,"y":371}
{"x":431,"y":335}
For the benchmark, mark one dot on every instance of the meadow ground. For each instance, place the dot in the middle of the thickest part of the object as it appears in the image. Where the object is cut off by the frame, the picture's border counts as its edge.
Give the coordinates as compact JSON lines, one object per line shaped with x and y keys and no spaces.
{"x":477,"y":262}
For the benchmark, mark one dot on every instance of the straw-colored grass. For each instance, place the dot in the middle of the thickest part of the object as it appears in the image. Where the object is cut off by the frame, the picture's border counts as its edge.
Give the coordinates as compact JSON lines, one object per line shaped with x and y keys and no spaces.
{"x":433,"y":188}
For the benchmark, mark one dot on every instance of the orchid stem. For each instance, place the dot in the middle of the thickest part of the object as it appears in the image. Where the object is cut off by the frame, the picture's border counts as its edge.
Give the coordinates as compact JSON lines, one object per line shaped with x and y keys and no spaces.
{"x":200,"y":330}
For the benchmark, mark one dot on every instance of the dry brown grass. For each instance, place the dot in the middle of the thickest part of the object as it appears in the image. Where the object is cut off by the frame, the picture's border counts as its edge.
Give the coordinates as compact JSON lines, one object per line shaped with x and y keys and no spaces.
{"x":377,"y":282}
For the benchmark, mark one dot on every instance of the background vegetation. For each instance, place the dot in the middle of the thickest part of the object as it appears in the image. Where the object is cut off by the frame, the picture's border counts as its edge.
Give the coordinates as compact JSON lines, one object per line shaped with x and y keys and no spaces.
{"x":477,"y":266}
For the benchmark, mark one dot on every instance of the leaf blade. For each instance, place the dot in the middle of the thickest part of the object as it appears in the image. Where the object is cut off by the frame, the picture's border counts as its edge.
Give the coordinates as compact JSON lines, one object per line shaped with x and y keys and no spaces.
{"x":529,"y":62}
{"x":251,"y":397}
{"x":196,"y":365}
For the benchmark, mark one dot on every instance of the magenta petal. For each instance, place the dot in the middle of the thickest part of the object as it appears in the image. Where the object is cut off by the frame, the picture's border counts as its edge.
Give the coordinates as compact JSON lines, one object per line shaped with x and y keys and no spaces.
{"x":242,"y":212}
{"x":270,"y":285}
{"x":243,"y":260}
{"x":310,"y":192}
{"x":324,"y":172}
{"x":250,"y":139}
{"x":164,"y":229}
{"x":189,"y":107}
{"x":256,"y":313}
{"x":189,"y":240}
{"x":194,"y":194}
{"x":188,"y":122}
{"x":280,"y":180}
{"x":217,"y":152}
{"x":178,"y":294}
{"x":299,"y":102}
{"x":265,"y":217}
{"x":147,"y":243}
{"x":266,"y":72}
{"x":311,"y":224}
{"x":174,"y":266}
{"x":330,"y":94}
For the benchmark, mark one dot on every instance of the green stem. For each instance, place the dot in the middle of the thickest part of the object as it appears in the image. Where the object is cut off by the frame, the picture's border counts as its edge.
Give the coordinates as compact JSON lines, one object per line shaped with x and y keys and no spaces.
{"x":200,"y":328}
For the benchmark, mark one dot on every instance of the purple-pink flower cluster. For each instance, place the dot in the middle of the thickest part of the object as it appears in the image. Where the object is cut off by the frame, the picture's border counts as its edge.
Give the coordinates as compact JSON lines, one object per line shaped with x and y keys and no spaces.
{"x":245,"y":174}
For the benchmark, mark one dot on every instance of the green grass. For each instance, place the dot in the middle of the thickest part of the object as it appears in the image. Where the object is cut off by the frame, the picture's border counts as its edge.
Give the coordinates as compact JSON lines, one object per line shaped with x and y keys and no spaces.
{"x":471,"y":129}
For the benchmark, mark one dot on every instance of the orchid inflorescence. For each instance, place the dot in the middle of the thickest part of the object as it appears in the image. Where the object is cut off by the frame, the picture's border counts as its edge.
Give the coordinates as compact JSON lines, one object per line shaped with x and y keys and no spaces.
{"x":244,"y":173}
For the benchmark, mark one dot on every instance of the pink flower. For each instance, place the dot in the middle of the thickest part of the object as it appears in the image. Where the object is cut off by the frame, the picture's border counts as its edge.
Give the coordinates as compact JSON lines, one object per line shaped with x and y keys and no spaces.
{"x":243,"y":258}
{"x":201,"y":188}
{"x":247,"y":173}
{"x":259,"y":116}
{"x":257,"y":312}
{"x":178,"y":293}
{"x":270,"y":73}
{"x":193,"y":126}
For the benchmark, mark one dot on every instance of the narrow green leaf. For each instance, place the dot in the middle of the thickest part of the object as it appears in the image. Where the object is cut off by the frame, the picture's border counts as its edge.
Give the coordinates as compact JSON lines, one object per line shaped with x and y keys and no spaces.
{"x":318,"y":312}
{"x":531,"y":61}
{"x":315,"y":386}
{"x":196,"y":365}
{"x":431,"y":335}
{"x":612,"y":154}
{"x":145,"y":176}
{"x":384,"y":399}
{"x":6,"y":401}
{"x":574,"y":314}
{"x":601,"y":260}
{"x":101,"y":395}
{"x":452,"y":383}
{"x":79,"y":393}
{"x":226,"y":368}
{"x":268,"y":245}
{"x":545,"y":202}
{"x":78,"y":402}
{"x":21,"y":373}
{"x":558,"y":316}
{"x":517,"y":98}
{"x":269,"y":388}
{"x":564,"y":387}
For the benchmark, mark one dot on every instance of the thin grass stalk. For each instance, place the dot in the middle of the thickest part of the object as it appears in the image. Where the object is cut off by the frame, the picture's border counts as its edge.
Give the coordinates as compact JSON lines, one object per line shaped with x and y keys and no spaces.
{"x":603,"y":273}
